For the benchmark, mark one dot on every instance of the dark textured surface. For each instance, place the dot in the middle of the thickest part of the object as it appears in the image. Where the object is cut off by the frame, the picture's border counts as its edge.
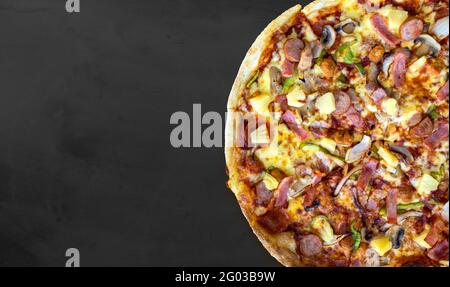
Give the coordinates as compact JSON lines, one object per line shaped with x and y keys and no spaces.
{"x":85,"y":157}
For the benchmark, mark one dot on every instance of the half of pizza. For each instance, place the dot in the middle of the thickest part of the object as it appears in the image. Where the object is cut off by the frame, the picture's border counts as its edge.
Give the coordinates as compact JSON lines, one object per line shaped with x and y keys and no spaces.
{"x":337,"y":134}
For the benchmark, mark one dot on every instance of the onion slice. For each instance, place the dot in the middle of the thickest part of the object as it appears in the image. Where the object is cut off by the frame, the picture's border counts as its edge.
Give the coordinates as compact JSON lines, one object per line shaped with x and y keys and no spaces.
{"x":345,"y":178}
{"x":440,"y":28}
{"x":358,"y":151}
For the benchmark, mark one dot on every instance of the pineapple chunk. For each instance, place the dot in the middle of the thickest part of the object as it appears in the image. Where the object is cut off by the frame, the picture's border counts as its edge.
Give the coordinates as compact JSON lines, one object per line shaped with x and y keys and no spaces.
{"x":381,"y":245}
{"x":296,"y":97}
{"x":270,"y":181}
{"x":390,"y":159}
{"x":395,"y":17}
{"x":260,"y":136}
{"x":420,"y":239}
{"x":415,"y":68}
{"x":264,"y":82}
{"x":260,"y":103}
{"x":328,"y":144}
{"x":326,"y":103}
{"x":323,"y":228}
{"x":390,"y":106}
{"x":275,"y":157}
{"x":427,"y":184}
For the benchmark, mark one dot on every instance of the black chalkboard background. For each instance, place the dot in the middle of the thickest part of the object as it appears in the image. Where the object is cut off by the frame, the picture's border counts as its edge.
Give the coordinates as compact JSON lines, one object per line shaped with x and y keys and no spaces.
{"x":85,"y":156}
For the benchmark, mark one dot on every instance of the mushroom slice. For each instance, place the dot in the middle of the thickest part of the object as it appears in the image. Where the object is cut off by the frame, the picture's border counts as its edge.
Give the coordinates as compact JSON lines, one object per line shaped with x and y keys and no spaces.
{"x":440,"y":28}
{"x":346,"y":27}
{"x":426,"y":45}
{"x":328,"y":37}
{"x":372,"y":258}
{"x":358,"y":151}
{"x":396,"y":234}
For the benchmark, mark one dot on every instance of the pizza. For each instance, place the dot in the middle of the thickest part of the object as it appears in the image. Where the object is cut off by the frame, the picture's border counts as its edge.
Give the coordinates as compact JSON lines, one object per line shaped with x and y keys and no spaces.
{"x":337,"y":134}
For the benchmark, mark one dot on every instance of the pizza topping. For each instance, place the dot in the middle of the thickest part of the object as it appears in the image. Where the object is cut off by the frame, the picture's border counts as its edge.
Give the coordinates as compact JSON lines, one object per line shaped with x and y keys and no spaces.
{"x":367,"y":172}
{"x":263,"y":194}
{"x":346,"y":27}
{"x":275,"y":220}
{"x":275,"y":81}
{"x":345,"y":179}
{"x":426,"y":45}
{"x":282,"y":192}
{"x":437,"y":136}
{"x":423,"y":129}
{"x":306,"y":59}
{"x":399,"y":68}
{"x":328,"y":37}
{"x":358,"y":151}
{"x":287,"y":68}
{"x":310,"y":245}
{"x":391,"y":206}
{"x":442,"y":94}
{"x":439,"y":251}
{"x":440,"y":28}
{"x":322,"y":228}
{"x":380,"y":26}
{"x":376,"y":54}
{"x":411,"y":29}
{"x":290,"y":119}
{"x":292,"y":49}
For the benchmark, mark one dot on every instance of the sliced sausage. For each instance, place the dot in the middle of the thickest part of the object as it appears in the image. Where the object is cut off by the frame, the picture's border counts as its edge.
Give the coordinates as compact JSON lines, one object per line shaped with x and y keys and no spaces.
{"x":399,"y":68}
{"x":292,"y":49}
{"x":342,"y":102}
{"x":275,"y":220}
{"x":411,"y":29}
{"x":442,"y":94}
{"x":423,"y":129}
{"x":380,"y":26}
{"x":435,"y":139}
{"x":414,"y":119}
{"x":310,"y":245}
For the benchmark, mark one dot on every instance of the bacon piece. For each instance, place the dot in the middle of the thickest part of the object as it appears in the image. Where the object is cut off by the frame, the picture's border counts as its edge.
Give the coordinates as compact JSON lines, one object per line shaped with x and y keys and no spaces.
{"x":380,"y":25}
{"x":287,"y":68}
{"x":275,"y":220}
{"x":289,"y":118}
{"x":435,"y":139}
{"x":282,"y":191}
{"x":439,"y":251}
{"x":263,"y":195}
{"x":391,"y":206}
{"x":311,"y":193}
{"x":306,"y":59}
{"x":435,"y":233}
{"x":282,"y":100}
{"x":310,"y":245}
{"x":423,"y":129}
{"x":442,"y":94}
{"x":367,"y":172}
{"x":411,"y":29}
{"x":399,"y":68}
{"x":292,"y":49}
{"x":378,"y":95}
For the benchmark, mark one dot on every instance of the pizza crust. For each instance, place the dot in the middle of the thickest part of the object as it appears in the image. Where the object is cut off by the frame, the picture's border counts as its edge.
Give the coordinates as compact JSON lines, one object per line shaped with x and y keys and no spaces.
{"x":249,"y":65}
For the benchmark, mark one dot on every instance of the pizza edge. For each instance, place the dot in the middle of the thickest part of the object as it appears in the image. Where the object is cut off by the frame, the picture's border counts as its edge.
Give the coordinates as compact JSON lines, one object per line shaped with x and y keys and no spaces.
{"x":249,"y":65}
